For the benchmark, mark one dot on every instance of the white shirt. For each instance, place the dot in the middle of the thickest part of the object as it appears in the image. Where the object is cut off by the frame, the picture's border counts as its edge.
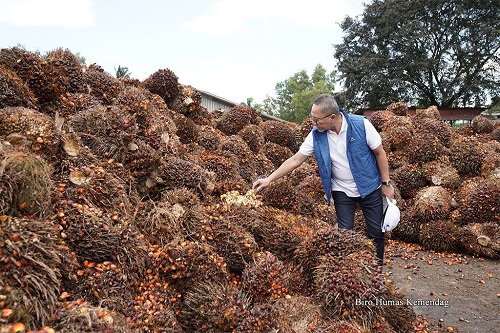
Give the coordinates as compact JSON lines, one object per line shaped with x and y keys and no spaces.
{"x":342,"y":179}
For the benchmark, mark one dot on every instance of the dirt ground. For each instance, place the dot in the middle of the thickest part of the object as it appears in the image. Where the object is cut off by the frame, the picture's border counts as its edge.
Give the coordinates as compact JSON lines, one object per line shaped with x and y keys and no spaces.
{"x":450,"y":292}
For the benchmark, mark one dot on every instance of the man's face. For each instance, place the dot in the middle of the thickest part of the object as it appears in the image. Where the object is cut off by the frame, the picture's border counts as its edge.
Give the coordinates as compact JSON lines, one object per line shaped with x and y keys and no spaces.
{"x":321,"y":121}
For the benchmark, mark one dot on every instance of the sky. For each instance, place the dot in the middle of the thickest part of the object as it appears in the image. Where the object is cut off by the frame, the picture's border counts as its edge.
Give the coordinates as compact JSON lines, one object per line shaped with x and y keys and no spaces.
{"x":235,"y":49}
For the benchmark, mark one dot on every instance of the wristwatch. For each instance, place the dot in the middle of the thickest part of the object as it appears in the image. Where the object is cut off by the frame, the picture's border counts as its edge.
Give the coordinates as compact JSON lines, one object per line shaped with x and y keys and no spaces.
{"x":387,"y":183}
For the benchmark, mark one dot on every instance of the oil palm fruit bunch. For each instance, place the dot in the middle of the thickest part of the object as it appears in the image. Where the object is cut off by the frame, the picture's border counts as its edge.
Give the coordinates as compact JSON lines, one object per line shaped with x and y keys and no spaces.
{"x":305,"y":127}
{"x":409,"y":180}
{"x":491,"y":165}
{"x":70,"y":66}
{"x":161,"y":124}
{"x":425,"y":148}
{"x":467,"y":156}
{"x":253,"y":135}
{"x":464,"y":130}
{"x":105,"y":284}
{"x":330,"y":240}
{"x":108,"y":131}
{"x":183,"y":263}
{"x":45,"y":80}
{"x":224,"y":165}
{"x":98,"y":186}
{"x":282,"y":194}
{"x":30,"y":129}
{"x":137,"y":165}
{"x":399,"y":132}
{"x":209,"y":137}
{"x":398,"y":108}
{"x":244,"y":156}
{"x":481,"y":239}
{"x":265,"y":317}
{"x":333,"y":326}
{"x":30,"y":270}
{"x":311,"y":189}
{"x":341,"y":282}
{"x":175,"y":172}
{"x":100,"y":228}
{"x":14,"y":92}
{"x":235,"y":119}
{"x":303,"y":312}
{"x":155,"y":124}
{"x":187,"y":200}
{"x":177,"y":214}
{"x":431,"y":112}
{"x":432,"y":203}
{"x":276,"y":153}
{"x":434,"y":127}
{"x":481,"y":203}
{"x":299,"y":281}
{"x":186,"y":129}
{"x":495,"y":134}
{"x":281,"y":133}
{"x":492,"y":146}
{"x":306,"y":169}
{"x":261,"y":166}
{"x":156,"y":305}
{"x":439,"y":235}
{"x":439,"y":173}
{"x":186,"y":101}
{"x":224,"y":228}
{"x":379,"y":118}
{"x":280,"y":231}
{"x":74,"y":316}
{"x":408,"y":229}
{"x":202,"y":116}
{"x":237,"y":146}
{"x":397,"y":158}
{"x":481,"y":124}
{"x":135,"y":101}
{"x":399,"y":315}
{"x":101,"y":84}
{"x":68,"y":104}
{"x":215,"y":307}
{"x":265,"y":279}
{"x":164,"y":83}
{"x":26,"y":184}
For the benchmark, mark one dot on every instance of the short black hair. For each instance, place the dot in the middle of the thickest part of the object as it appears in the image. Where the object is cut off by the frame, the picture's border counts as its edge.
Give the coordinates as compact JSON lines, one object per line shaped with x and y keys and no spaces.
{"x":327,"y":104}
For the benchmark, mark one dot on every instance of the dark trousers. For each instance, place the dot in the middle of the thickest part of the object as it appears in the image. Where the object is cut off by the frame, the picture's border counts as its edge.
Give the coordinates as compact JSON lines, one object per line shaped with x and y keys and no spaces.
{"x":372,"y":208}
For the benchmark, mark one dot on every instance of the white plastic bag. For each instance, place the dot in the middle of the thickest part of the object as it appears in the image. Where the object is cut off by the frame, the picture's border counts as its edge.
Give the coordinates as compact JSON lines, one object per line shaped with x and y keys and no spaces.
{"x":391,"y":214}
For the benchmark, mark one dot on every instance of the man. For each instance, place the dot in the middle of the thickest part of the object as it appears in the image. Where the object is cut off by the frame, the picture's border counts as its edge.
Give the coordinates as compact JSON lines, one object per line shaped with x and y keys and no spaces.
{"x":352,"y":165}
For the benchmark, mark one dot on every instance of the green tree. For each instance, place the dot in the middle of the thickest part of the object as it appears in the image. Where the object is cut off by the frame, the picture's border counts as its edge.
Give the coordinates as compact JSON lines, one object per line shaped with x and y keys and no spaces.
{"x":122,"y":72}
{"x":421,"y":52}
{"x":295,"y":95}
{"x":250,"y":102}
{"x":268,"y":106}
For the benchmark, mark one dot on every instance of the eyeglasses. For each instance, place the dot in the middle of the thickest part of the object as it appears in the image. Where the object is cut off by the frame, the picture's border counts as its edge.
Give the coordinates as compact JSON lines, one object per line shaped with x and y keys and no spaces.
{"x":315,"y":120}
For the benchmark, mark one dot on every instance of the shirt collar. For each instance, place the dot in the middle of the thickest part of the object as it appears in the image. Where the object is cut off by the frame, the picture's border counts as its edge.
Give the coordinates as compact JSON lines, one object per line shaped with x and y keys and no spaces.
{"x":343,"y":128}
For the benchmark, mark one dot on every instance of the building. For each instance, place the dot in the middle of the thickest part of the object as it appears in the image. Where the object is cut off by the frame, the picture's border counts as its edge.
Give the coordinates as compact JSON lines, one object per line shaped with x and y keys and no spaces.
{"x":448,"y":115}
{"x":213,"y":102}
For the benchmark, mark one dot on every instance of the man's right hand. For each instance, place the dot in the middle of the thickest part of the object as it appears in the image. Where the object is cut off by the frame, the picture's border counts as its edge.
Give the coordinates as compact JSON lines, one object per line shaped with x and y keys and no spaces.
{"x":260,"y":184}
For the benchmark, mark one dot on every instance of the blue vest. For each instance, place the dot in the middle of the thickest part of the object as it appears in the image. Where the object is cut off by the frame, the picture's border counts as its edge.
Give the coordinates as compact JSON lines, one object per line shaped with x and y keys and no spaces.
{"x":361,"y":158}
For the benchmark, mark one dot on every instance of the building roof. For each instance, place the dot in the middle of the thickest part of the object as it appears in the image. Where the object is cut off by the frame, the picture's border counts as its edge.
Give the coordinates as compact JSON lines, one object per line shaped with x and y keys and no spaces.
{"x":446,"y":113}
{"x":230,"y":104}
{"x":217,"y":98}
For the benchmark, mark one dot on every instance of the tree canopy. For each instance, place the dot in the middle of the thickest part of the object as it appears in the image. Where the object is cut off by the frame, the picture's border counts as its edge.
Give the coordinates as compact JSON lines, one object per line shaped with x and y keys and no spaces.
{"x":421,"y":52}
{"x":122,"y":72}
{"x":295,"y":95}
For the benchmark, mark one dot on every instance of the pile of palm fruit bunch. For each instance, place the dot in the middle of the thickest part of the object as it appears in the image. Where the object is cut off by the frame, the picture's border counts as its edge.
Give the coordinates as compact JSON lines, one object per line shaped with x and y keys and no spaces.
{"x":126,"y":206}
{"x":447,"y":180}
